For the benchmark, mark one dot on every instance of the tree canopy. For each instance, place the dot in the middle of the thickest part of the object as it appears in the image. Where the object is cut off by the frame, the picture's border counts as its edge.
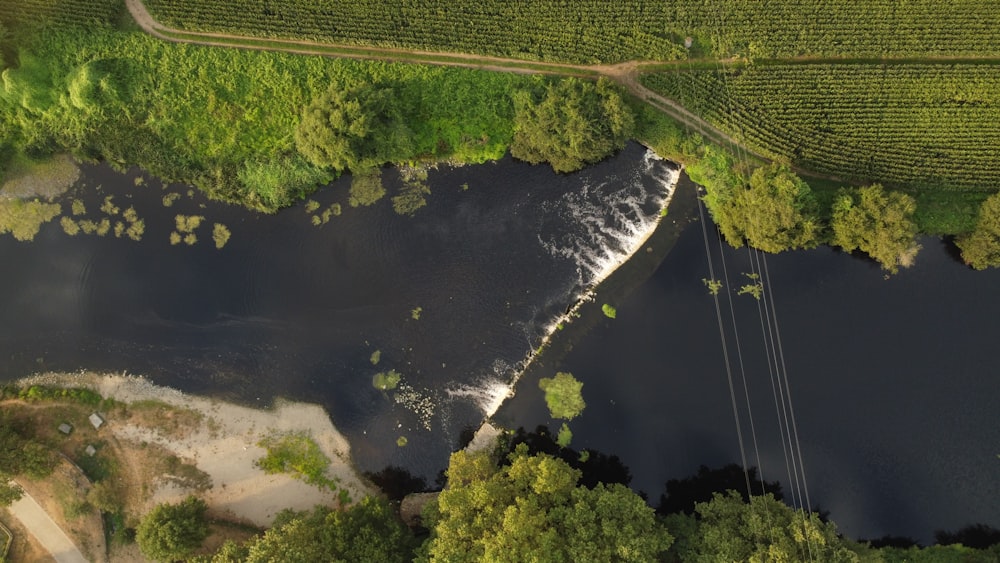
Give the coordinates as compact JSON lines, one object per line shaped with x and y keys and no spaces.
{"x":172,"y":531}
{"x":368,"y":532}
{"x":563,"y":395}
{"x":574,"y":123}
{"x":534,"y":510}
{"x":981,"y":247}
{"x":353,"y":128}
{"x":877,"y":222}
{"x":729,"y":529}
{"x":19,"y":455}
{"x":776,"y":212}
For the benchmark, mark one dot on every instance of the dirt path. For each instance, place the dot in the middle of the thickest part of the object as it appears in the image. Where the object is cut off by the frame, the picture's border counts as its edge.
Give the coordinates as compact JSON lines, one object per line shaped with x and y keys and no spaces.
{"x":48,"y":533}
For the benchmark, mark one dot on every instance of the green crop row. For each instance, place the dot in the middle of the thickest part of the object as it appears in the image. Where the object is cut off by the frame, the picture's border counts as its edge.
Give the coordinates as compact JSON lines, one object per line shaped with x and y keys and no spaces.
{"x":590,"y":31}
{"x":23,"y":14}
{"x":922,"y":126}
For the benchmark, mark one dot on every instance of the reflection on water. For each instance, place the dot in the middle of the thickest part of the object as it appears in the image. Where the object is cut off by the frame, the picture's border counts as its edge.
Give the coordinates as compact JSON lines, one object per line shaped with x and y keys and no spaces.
{"x":296,"y":310}
{"x":895,"y":393}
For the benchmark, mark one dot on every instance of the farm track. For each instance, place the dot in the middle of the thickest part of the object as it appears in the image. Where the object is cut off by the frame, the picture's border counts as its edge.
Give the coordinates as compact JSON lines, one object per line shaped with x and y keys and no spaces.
{"x":626,"y":74}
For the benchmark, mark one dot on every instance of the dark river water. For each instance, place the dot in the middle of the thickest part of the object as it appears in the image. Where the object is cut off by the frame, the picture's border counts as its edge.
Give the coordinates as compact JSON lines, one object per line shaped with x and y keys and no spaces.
{"x":895,"y":394}
{"x":894,"y":385}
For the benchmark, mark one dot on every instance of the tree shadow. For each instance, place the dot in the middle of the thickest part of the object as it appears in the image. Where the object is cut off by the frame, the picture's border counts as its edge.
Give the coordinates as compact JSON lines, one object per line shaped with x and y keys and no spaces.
{"x":397,"y":482}
{"x":682,"y":494}
{"x":596,"y":467}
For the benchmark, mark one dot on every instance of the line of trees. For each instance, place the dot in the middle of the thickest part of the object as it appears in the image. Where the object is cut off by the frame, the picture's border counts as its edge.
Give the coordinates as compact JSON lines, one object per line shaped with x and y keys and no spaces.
{"x":535,"y":507}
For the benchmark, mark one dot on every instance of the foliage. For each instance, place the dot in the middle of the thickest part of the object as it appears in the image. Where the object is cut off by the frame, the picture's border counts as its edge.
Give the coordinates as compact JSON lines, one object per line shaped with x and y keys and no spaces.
{"x":575,"y":123}
{"x":23,"y":219}
{"x":386,"y":380}
{"x":366,"y":187}
{"x":609,"y":311}
{"x":20,"y":455}
{"x":411,"y":195}
{"x":876,"y":222}
{"x":728,"y":529}
{"x":777,"y":212}
{"x":939,"y":554}
{"x":280,"y":181}
{"x":353,"y":128}
{"x":368,"y":532}
{"x":151,"y":99}
{"x":298,"y":454}
{"x":565,"y":436}
{"x":172,"y":531}
{"x":77,"y":395}
{"x":375,"y":357}
{"x":416,"y":312}
{"x":103,"y":496}
{"x":533,"y":510}
{"x":981,"y":247}
{"x":220,"y":234}
{"x":923,"y":126}
{"x":713,"y":285}
{"x":563,"y":395}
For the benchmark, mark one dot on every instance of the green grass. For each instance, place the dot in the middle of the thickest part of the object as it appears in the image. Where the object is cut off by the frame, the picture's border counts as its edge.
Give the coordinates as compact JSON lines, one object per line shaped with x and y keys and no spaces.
{"x":296,"y":453}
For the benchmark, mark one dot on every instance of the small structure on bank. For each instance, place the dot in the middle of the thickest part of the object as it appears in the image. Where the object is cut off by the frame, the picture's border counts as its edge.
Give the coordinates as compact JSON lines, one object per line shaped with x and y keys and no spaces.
{"x":66,"y":428}
{"x":96,"y":420}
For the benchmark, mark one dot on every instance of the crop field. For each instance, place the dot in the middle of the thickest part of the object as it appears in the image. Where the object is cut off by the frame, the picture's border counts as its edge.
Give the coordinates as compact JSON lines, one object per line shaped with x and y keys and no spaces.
{"x":19,"y":14}
{"x":922,"y":126}
{"x":593,"y":31}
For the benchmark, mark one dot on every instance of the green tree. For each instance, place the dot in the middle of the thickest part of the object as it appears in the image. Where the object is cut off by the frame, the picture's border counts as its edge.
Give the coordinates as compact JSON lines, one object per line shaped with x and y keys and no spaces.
{"x":368,"y":532}
{"x":575,"y":123}
{"x":353,"y":128}
{"x":765,"y":529}
{"x":172,"y":531}
{"x":563,"y":395}
{"x":20,"y":455}
{"x":877,"y":222}
{"x":776,"y":212}
{"x":533,"y":510}
{"x":981,"y":248}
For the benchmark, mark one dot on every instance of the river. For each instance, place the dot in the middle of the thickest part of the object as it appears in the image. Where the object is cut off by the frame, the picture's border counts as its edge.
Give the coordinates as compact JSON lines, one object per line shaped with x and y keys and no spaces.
{"x":893,"y":393}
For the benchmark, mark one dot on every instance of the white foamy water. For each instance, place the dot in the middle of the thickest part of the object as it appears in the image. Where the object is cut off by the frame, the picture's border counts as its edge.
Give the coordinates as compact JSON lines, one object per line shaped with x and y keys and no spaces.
{"x":488,"y":393}
{"x":614,"y":218}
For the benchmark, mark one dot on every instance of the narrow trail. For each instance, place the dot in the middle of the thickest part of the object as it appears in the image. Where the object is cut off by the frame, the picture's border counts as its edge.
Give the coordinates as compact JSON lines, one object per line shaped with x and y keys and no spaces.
{"x":48,"y":533}
{"x":626,"y":74}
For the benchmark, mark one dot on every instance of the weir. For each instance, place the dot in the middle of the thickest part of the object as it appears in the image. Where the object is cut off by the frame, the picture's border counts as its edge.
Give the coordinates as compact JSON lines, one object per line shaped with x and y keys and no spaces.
{"x":616,"y":219}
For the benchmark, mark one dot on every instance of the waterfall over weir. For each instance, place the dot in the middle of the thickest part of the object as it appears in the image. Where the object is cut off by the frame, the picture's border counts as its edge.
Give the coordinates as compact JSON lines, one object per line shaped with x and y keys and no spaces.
{"x":607,"y":222}
{"x":612,"y":218}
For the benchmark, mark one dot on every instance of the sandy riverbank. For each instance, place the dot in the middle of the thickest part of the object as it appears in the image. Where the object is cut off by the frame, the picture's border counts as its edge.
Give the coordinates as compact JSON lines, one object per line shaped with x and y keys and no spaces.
{"x":224,"y":445}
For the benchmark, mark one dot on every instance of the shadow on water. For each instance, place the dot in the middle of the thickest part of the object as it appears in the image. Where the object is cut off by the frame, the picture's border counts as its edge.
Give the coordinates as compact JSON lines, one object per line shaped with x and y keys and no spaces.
{"x":295,"y":310}
{"x":894,"y":392}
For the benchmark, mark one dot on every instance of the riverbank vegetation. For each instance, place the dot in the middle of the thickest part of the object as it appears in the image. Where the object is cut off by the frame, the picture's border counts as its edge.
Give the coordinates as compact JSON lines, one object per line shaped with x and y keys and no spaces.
{"x":921,"y":127}
{"x":528,"y":505}
{"x":80,"y":80}
{"x":279,"y":125}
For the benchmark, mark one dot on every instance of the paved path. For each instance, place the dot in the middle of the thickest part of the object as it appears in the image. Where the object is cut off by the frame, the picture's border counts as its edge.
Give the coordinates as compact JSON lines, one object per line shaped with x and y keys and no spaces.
{"x":46,"y":531}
